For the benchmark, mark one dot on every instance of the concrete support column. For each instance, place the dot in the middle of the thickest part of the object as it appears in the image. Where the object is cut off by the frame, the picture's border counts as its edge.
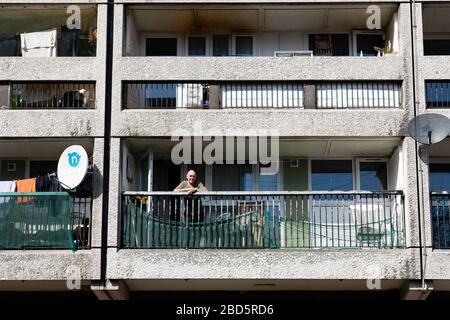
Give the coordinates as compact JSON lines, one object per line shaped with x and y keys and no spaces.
{"x":96,"y":223}
{"x":114,"y":194}
{"x":119,"y":28}
{"x":411,"y":196}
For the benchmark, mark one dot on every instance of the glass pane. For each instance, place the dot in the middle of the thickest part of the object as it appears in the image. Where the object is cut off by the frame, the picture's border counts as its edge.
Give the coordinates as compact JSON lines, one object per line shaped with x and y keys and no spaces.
{"x":244,"y":45}
{"x":267,"y":182}
{"x":226,"y":177}
{"x":373,"y":176}
{"x":330,"y":175}
{"x":246,"y":175}
{"x":197,"y":46}
{"x":220,"y":45}
{"x":440,"y":177}
{"x":161,"y":47}
{"x":143,"y":173}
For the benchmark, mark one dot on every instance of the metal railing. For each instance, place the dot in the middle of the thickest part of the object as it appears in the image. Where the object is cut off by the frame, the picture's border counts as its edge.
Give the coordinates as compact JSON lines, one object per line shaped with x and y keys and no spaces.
{"x":268,"y":220}
{"x":437,"y":94}
{"x":371,"y":94}
{"x":275,"y":94}
{"x":440,"y":216}
{"x":44,"y":220}
{"x":145,"y":95}
{"x":45,"y":95}
{"x":262,"y":95}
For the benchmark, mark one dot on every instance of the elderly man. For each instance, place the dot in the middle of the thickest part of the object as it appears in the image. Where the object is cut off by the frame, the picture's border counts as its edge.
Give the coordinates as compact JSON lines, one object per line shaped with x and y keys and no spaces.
{"x":193,"y":210}
{"x":190,"y":185}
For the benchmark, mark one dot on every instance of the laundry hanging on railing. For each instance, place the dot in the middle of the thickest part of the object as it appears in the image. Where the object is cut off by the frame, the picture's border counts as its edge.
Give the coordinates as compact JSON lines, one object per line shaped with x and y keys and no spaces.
{"x":39,"y":44}
{"x":7,"y":186}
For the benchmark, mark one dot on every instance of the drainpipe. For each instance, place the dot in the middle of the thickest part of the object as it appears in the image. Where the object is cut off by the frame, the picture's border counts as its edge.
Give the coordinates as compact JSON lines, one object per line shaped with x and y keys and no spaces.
{"x":107,"y":139}
{"x":412,"y":6}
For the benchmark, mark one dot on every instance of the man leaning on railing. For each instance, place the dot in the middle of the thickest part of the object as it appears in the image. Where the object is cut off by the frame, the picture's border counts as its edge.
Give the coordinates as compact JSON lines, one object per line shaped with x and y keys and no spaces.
{"x":193,"y":206}
{"x":190,"y":185}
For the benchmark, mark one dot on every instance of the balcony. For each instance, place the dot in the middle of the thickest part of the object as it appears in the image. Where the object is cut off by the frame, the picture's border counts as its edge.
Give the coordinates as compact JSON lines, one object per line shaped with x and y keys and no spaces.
{"x":263,"y":220}
{"x":437,"y":93}
{"x":225,"y":95}
{"x":441,"y":220}
{"x":47,"y":95}
{"x":258,"y":30}
{"x":48,"y":31}
{"x":44,"y":220}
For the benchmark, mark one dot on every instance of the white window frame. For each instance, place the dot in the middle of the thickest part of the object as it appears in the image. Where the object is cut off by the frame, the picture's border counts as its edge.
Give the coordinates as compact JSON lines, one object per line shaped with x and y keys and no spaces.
{"x":208,"y":45}
{"x":255,"y":43}
{"x":332,"y":158}
{"x":151,"y":35}
{"x":358,"y":171}
{"x":211,"y":42}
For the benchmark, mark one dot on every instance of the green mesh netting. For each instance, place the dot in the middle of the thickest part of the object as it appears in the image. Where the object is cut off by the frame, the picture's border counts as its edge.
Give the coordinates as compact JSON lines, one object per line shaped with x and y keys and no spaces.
{"x":36,"y":220}
{"x":254,"y":230}
{"x":251,"y":230}
{"x":306,"y":234}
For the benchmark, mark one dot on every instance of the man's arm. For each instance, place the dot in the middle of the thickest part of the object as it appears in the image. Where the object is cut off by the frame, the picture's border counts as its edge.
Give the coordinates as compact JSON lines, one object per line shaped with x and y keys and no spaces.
{"x":181,"y":187}
{"x":201,"y":188}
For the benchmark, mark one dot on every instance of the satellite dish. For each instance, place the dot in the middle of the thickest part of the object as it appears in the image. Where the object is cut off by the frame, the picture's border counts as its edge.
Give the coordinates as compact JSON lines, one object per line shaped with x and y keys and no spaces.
{"x":429,"y":128}
{"x":72,"y":167}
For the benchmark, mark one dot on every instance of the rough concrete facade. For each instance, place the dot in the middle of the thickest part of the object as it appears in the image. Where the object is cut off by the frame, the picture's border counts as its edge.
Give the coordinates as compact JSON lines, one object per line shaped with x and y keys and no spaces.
{"x":141,"y":265}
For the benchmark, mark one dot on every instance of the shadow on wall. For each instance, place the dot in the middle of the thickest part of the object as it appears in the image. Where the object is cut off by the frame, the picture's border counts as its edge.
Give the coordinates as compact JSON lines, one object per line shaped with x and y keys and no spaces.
{"x":97,"y":183}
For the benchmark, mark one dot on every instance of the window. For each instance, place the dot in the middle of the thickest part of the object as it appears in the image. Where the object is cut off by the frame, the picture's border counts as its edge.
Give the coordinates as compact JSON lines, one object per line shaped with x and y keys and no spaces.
{"x":329,"y":44}
{"x":220,"y":45}
{"x":373,"y":176}
{"x":232,"y":177}
{"x":267,"y":182}
{"x":197,"y":46}
{"x":244,"y":45}
{"x":439,"y":177}
{"x":436,"y":47}
{"x":161,"y":47}
{"x":368,"y":43}
{"x":331,"y":175}
{"x":437,"y":94}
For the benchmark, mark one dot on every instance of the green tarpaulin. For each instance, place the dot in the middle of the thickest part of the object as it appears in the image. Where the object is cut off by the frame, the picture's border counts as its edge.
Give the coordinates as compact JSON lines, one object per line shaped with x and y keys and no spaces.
{"x":36,"y":220}
{"x":250,"y":230}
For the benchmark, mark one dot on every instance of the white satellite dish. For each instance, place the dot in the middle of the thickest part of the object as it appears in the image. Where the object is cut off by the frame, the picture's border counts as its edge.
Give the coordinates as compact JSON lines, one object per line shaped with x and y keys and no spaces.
{"x":72,"y":167}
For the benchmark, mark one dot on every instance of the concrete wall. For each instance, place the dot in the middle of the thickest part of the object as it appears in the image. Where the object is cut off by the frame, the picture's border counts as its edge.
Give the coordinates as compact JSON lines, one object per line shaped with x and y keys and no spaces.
{"x":134,"y":265}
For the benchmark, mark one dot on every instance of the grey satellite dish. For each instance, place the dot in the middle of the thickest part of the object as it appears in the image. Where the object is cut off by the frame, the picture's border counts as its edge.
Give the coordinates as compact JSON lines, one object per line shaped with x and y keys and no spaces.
{"x":429,"y":128}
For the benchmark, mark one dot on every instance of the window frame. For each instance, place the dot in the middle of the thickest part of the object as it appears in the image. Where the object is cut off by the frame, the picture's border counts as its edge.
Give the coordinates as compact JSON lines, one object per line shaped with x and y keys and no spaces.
{"x":207,"y":37}
{"x":355,"y":34}
{"x":151,"y":35}
{"x":358,"y":170}
{"x":255,"y":52}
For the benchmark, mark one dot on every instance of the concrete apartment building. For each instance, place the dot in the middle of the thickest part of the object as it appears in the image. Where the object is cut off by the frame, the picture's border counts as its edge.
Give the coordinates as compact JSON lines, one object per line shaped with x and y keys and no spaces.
{"x":342,"y":212}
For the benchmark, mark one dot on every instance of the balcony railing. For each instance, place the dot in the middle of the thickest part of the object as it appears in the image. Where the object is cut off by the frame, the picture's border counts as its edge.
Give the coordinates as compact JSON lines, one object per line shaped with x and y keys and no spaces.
{"x":263,"y":220}
{"x":437,"y":94}
{"x":46,"y":95}
{"x":44,"y":220}
{"x":374,"y":94}
{"x":440,"y":214}
{"x":287,"y":94}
